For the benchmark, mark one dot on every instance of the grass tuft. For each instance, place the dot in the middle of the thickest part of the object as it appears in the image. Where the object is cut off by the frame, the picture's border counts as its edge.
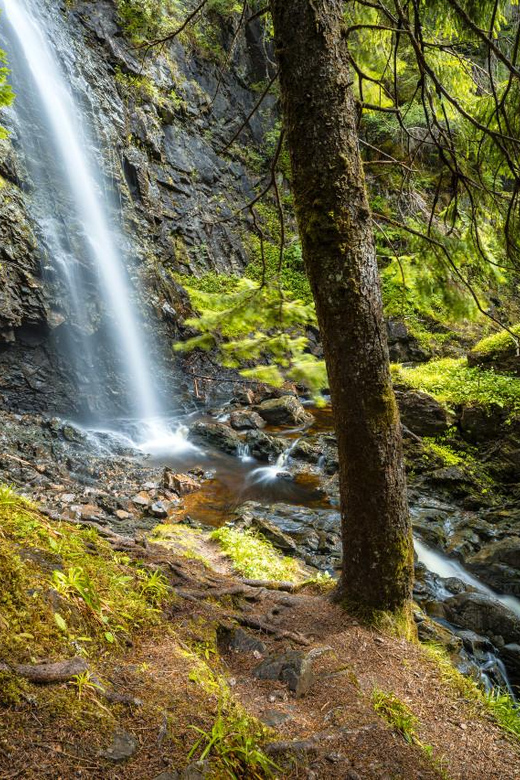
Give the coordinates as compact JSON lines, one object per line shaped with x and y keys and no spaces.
{"x":255,"y":557}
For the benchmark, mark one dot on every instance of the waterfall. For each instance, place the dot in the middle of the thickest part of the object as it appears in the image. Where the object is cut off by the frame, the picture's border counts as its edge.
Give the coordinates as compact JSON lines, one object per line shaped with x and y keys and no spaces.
{"x":76,"y":220}
{"x":446,"y":567}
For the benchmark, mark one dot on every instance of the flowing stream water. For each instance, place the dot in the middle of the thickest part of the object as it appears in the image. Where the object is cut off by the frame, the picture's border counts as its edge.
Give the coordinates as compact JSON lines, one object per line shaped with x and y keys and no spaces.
{"x":77,"y":223}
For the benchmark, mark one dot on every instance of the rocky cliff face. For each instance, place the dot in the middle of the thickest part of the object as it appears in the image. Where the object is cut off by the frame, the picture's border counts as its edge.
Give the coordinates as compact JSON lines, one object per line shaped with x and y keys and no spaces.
{"x":162,"y":126}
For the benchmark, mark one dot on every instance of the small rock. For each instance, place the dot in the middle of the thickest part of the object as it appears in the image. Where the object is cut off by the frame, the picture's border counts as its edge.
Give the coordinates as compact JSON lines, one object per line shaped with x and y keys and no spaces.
{"x":159,"y":509}
{"x":122,"y":748}
{"x":122,"y":515}
{"x":141,"y":499}
{"x":292,"y":667}
{"x":246,"y":419}
{"x":179,"y":483}
{"x":274,"y":718}
{"x":239,"y":640}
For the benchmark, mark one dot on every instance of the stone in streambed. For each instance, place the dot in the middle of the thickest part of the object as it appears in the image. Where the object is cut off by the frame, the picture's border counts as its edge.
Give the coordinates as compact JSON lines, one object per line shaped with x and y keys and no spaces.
{"x":286,"y":410}
{"x":179,"y":483}
{"x":141,"y":500}
{"x":246,"y":419}
{"x":217,"y":434}
{"x":263,"y":447}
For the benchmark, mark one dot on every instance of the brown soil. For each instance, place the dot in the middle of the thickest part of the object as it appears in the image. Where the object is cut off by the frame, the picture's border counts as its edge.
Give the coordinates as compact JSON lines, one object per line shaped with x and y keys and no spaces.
{"x":53,"y":734}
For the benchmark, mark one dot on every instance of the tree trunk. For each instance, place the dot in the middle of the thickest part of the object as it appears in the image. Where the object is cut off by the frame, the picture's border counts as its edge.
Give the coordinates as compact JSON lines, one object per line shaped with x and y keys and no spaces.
{"x":339,"y":253}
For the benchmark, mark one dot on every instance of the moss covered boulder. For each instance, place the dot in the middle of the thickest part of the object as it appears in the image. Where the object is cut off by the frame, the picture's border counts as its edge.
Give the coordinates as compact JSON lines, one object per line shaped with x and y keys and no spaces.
{"x":500,"y":351}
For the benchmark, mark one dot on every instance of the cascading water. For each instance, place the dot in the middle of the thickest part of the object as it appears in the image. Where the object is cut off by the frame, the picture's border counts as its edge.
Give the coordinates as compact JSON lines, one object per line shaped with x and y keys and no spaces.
{"x":73,"y":215}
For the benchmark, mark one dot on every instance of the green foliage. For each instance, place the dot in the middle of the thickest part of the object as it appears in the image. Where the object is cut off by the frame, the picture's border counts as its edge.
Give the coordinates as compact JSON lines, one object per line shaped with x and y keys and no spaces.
{"x":6,"y":93}
{"x":453,"y":382}
{"x":396,"y":714}
{"x":64,"y":590}
{"x":498,"y":343}
{"x":505,"y":711}
{"x":233,"y":743}
{"x":247,"y":321}
{"x":255,"y":557}
{"x":443,"y":451}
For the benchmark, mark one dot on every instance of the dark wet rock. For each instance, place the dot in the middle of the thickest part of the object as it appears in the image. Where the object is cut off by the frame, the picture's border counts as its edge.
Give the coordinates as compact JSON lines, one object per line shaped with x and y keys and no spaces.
{"x":71,"y":433}
{"x":293,"y":667}
{"x":216,"y":434}
{"x":421,"y":413}
{"x":264,"y":447}
{"x":246,"y":419}
{"x":239,"y":641}
{"x":269,"y":529}
{"x":308,"y":451}
{"x":503,"y":359}
{"x":122,"y":748}
{"x":484,"y":615}
{"x":313,"y":533}
{"x":286,"y":410}
{"x":511,"y":655}
{"x":403,"y":346}
{"x":479,"y":423}
{"x":498,"y":564}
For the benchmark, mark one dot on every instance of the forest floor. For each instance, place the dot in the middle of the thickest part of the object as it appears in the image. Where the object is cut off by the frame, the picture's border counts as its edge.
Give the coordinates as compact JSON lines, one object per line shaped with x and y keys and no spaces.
{"x":244,"y":679}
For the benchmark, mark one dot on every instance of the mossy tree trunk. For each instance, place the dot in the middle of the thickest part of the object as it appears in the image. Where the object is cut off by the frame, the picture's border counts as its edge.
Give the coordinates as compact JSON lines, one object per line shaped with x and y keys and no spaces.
{"x":339,"y":253}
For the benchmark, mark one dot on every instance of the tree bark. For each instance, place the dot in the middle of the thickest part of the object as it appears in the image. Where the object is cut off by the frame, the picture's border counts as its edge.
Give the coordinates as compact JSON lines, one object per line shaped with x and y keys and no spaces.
{"x":339,"y":253}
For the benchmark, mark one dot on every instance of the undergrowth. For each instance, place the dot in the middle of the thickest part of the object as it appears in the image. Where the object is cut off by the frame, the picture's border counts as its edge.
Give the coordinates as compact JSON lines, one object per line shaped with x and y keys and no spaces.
{"x":453,"y":382}
{"x":64,"y":590}
{"x":255,"y":557}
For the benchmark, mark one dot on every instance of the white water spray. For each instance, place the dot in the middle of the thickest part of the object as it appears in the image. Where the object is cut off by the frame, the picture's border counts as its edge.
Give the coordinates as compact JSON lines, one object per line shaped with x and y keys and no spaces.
{"x":445,"y":567}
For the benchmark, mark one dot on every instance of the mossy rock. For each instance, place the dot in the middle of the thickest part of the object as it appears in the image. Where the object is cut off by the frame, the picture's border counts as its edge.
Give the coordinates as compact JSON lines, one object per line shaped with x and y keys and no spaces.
{"x":499,"y":351}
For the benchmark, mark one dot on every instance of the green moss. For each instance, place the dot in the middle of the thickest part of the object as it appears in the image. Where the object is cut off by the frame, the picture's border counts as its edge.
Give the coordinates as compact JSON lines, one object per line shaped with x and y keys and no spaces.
{"x":255,"y":557}
{"x":453,"y":382}
{"x":64,"y":590}
{"x":498,"y":343}
{"x":396,"y":714}
{"x":443,"y":451}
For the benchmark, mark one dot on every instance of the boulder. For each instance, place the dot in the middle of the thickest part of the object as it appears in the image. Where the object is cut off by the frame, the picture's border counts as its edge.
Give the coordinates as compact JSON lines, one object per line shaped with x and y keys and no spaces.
{"x":246,"y":419}
{"x":216,"y":434}
{"x":421,"y":413}
{"x":498,"y":352}
{"x":479,"y":423}
{"x":264,"y":447}
{"x":286,"y":410}
{"x":484,"y":615}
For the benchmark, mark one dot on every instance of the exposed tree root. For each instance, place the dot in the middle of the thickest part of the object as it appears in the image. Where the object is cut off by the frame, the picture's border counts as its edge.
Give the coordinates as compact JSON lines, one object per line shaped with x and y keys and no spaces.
{"x":250,"y":622}
{"x":64,"y":671}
